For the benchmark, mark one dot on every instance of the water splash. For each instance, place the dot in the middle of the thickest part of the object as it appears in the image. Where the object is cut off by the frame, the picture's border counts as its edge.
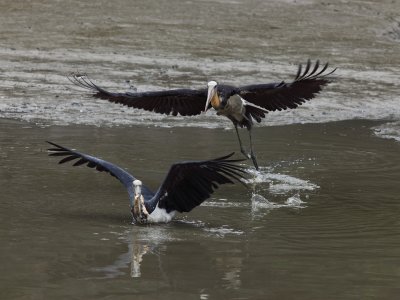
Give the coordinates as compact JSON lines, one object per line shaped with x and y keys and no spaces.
{"x":295,"y":202}
{"x":259,"y":202}
{"x":280,"y":183}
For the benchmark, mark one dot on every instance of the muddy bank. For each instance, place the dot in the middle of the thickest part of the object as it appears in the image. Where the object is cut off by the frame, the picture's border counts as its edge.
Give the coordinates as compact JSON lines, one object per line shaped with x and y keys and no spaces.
{"x":169,"y":44}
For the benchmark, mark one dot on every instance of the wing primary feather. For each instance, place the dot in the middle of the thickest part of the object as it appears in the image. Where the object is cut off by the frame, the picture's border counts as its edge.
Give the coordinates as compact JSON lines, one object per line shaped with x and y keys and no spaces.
{"x":60,"y":153}
{"x":224,"y":157}
{"x":78,"y":79}
{"x":229,"y":174}
{"x":307,"y":68}
{"x":68,"y":158}
{"x":225,"y":169}
{"x":298,"y":72}
{"x":330,"y":72}
{"x":316,"y":66}
{"x":228,"y":165}
{"x":91,"y":164}
{"x":322,"y":71}
{"x":73,"y":79}
{"x":58,"y":147}
{"x":55,"y":149}
{"x":88,"y":82}
{"x":100,"y":168}
{"x":80,"y":162}
{"x":85,"y":82}
{"x":236,"y":172}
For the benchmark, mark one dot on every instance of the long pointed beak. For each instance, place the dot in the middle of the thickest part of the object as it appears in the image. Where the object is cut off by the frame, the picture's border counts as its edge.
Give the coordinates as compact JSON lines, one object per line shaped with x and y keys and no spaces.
{"x":210,"y":95}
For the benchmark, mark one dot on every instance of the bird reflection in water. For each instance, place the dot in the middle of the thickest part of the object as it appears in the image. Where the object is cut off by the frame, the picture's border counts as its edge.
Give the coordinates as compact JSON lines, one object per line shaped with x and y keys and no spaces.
{"x":231,"y":267}
{"x":150,"y":243}
{"x":141,"y":241}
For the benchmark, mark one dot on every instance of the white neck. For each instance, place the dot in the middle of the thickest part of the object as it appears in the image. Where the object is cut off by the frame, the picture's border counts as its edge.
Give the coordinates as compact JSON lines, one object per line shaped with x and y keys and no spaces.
{"x":137,"y":185}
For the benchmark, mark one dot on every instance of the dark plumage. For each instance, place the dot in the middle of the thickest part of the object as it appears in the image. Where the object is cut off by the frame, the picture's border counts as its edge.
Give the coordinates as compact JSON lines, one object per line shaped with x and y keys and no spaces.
{"x":281,"y":96}
{"x":185,"y":102}
{"x":241,"y":105}
{"x":186,"y":185}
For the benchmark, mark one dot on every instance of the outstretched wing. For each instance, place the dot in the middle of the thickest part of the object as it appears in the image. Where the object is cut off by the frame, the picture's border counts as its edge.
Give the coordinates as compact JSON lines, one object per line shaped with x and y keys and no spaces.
{"x":186,"y":102}
{"x":188,"y":184}
{"x":279,"y":96}
{"x":100,"y":165}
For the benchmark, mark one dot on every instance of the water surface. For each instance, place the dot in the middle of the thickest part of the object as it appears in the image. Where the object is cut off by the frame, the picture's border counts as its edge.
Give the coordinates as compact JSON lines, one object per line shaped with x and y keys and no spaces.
{"x":319,"y":221}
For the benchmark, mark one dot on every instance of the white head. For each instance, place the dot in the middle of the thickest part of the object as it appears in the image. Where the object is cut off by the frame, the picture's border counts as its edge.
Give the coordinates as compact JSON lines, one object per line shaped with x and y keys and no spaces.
{"x":212,"y":83}
{"x":137,"y":201}
{"x":212,"y":89}
{"x":137,"y":184}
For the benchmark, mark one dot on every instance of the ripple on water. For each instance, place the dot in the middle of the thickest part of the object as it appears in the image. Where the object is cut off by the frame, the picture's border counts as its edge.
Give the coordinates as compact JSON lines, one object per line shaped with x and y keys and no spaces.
{"x":222,"y":204}
{"x":215,"y":231}
{"x":223,"y":230}
{"x":388,"y":131}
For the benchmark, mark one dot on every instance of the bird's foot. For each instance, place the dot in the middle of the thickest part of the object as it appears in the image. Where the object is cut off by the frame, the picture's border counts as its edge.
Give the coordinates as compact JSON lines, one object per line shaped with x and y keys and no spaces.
{"x":247,"y":155}
{"x":253,"y":158}
{"x":255,"y":163}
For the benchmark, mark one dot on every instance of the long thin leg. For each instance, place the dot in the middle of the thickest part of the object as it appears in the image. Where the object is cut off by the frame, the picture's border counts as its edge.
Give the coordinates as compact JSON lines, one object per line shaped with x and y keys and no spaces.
{"x":252,"y":155}
{"x":240,"y":143}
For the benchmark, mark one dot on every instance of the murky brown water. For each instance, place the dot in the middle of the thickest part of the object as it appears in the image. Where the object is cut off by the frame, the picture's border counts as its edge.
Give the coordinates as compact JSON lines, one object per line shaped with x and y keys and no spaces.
{"x":65,"y":231}
{"x":320,"y":221}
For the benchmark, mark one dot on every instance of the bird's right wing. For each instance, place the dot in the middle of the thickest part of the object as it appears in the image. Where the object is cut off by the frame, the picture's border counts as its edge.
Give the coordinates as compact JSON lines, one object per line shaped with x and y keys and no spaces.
{"x":188,"y":184}
{"x":282,"y":95}
{"x":186,"y":102}
{"x":101,"y":165}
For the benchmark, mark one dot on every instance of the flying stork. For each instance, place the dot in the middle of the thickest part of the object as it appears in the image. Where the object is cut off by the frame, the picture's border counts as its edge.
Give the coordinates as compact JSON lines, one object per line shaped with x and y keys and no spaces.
{"x":186,"y":185}
{"x":241,"y":105}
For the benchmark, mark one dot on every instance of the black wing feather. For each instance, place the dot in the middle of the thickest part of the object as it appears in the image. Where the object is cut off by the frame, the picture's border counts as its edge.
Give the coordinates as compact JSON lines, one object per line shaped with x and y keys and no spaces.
{"x":186,"y":102}
{"x":280,"y":96}
{"x":101,"y":165}
{"x":188,"y":184}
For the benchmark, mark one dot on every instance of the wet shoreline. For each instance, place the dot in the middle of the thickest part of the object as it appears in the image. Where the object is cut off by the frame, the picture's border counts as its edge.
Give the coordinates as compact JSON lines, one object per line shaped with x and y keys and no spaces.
{"x":178,"y":51}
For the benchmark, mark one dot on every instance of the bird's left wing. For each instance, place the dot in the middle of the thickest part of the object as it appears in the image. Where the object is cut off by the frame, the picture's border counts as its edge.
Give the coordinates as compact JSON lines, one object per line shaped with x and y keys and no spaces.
{"x":101,"y":165}
{"x":282,"y":95}
{"x":188,"y":184}
{"x":186,"y":102}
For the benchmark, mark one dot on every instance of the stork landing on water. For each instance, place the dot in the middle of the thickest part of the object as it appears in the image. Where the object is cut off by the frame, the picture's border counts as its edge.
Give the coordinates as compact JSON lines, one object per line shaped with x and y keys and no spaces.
{"x":241,"y":105}
{"x":186,"y":185}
